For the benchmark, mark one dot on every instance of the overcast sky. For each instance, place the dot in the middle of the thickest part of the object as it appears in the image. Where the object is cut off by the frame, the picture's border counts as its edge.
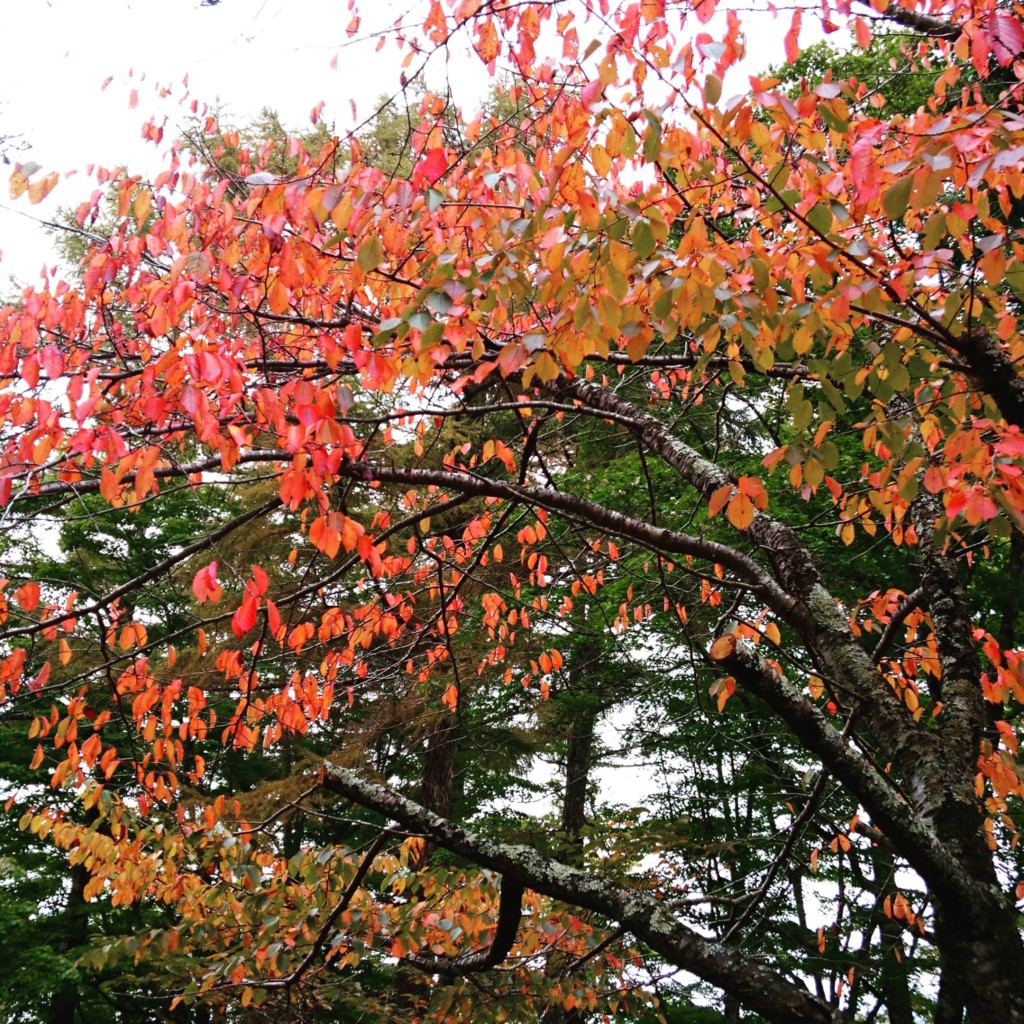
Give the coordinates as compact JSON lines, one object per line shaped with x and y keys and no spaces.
{"x":242,"y":54}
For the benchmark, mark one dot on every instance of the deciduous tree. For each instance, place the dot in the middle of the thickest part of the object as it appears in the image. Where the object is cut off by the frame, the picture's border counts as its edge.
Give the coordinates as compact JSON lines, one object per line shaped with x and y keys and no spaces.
{"x":642,"y":392}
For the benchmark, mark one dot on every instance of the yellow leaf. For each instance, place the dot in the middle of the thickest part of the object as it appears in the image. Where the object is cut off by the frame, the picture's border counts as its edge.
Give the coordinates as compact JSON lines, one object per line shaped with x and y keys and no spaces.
{"x":545,"y":367}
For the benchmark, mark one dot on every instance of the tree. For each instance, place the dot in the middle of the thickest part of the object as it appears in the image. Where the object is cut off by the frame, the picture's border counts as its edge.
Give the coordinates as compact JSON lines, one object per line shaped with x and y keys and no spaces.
{"x":792,"y":318}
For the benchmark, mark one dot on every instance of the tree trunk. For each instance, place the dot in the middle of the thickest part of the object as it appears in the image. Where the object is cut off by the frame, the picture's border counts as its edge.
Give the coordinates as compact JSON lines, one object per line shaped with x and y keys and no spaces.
{"x":436,"y":794}
{"x":75,"y":930}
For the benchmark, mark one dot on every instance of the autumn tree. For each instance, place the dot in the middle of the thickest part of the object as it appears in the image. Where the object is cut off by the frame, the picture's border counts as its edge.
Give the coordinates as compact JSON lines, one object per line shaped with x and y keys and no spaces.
{"x":704,"y":410}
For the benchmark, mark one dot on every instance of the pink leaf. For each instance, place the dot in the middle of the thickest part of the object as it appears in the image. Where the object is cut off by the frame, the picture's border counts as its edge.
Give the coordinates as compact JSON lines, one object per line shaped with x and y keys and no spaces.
{"x":1005,"y":36}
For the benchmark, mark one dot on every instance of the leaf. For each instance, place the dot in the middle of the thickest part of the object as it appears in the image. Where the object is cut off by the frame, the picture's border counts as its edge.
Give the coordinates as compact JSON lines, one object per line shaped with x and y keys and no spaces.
{"x":205,"y":585}
{"x":1005,"y":36}
{"x":1015,"y":277}
{"x":896,"y":198}
{"x":430,"y":168}
{"x":27,"y":596}
{"x":740,"y":511}
{"x":791,"y":44}
{"x":643,"y":239}
{"x":712,"y":89}
{"x":370,"y":254}
{"x":820,"y":218}
{"x":39,"y":190}
{"x":718,"y":499}
{"x":724,"y":647}
{"x":450,"y":698}
{"x":245,"y":617}
{"x":486,"y":42}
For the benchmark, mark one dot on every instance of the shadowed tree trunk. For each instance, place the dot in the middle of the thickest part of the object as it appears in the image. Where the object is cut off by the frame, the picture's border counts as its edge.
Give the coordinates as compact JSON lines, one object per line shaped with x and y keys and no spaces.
{"x":436,"y":794}
{"x":75,"y":930}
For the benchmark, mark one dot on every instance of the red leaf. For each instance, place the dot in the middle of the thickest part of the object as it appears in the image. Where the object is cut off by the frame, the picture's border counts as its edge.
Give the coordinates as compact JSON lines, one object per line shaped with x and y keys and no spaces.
{"x":205,"y":586}
{"x":273,"y":618}
{"x":260,"y":579}
{"x":245,"y":618}
{"x":430,"y":168}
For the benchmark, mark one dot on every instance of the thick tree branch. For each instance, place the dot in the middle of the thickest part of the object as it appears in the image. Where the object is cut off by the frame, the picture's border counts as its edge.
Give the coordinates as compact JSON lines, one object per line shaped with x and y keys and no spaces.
{"x":823,"y":627}
{"x":656,"y":538}
{"x":775,"y":998}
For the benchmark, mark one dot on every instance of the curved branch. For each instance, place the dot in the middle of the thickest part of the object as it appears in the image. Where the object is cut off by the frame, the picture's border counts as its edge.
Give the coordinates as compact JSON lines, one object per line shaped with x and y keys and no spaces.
{"x":911,"y":602}
{"x":775,"y":998}
{"x":656,"y":538}
{"x":510,"y":912}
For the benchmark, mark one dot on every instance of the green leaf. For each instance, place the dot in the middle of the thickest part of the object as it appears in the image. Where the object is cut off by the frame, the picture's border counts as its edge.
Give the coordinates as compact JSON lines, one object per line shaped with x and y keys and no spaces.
{"x":786,"y":199}
{"x":897,"y":197}
{"x":643,"y":239}
{"x":934,"y":230}
{"x":832,"y":119}
{"x":652,"y":143}
{"x":369,"y":255}
{"x":819,"y":217}
{"x":434,"y":199}
{"x":1014,"y":274}
{"x":439,"y":302}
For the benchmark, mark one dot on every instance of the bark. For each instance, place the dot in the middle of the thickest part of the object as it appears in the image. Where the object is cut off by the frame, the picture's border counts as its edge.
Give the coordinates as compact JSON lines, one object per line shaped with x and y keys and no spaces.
{"x":994,"y":370}
{"x":582,"y":715}
{"x":438,"y":775}
{"x":924,"y":808}
{"x":808,"y":606}
{"x":411,"y":989}
{"x":894,"y":980}
{"x":980,"y":948}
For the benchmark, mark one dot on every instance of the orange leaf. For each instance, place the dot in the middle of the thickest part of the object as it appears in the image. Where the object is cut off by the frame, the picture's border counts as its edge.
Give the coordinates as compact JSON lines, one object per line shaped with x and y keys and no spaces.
{"x":740,"y":511}
{"x":724,"y":647}
{"x":792,"y":42}
{"x":718,"y":500}
{"x":28,"y":596}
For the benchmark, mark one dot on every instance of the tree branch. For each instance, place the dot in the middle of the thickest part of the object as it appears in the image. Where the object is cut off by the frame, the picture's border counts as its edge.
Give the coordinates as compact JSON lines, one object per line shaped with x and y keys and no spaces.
{"x":775,"y":998}
{"x":510,"y":911}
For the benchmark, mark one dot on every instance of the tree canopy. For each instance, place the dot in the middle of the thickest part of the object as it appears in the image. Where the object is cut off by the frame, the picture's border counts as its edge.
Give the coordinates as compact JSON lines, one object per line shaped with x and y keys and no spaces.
{"x":561,"y":563}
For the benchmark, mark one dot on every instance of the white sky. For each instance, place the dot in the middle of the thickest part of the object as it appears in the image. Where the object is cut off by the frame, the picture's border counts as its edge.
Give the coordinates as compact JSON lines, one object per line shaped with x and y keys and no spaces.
{"x":242,"y":54}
